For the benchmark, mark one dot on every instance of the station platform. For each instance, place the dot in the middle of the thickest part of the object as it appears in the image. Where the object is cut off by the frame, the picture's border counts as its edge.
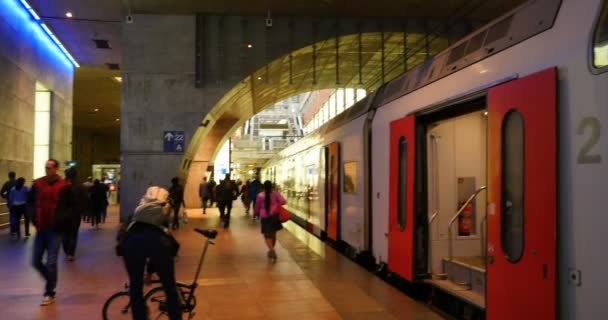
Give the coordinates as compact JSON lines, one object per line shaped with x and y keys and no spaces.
{"x":309,"y":280}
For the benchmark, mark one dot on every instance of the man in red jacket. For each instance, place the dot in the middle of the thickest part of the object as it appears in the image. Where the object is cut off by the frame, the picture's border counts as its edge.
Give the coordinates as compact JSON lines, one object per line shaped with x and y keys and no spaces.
{"x":46,"y":191}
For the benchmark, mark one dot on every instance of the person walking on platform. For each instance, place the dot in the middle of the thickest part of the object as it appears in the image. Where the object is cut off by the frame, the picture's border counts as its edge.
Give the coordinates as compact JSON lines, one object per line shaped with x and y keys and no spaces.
{"x":70,"y":208}
{"x":147,"y":239}
{"x":204,"y":194}
{"x":245,"y":197}
{"x":254,"y":188}
{"x":17,"y":200}
{"x":8,"y":185}
{"x":45,"y":193}
{"x":176,"y":199}
{"x":267,"y":207}
{"x":211,"y":187}
{"x":6,"y":189}
{"x":226,"y":193}
{"x":99,"y":200}
{"x":87,"y":187}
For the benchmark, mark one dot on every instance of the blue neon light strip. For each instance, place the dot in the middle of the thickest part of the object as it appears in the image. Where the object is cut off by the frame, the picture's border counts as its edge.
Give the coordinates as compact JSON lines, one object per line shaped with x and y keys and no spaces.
{"x":48,"y":32}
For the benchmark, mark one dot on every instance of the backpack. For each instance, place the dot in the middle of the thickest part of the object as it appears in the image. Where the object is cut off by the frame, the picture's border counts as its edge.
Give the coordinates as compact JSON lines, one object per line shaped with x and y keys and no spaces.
{"x":70,"y":204}
{"x":64,"y":212}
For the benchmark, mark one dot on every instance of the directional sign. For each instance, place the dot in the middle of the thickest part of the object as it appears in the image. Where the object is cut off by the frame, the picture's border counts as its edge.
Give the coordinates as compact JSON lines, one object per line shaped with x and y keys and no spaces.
{"x":174,"y":141}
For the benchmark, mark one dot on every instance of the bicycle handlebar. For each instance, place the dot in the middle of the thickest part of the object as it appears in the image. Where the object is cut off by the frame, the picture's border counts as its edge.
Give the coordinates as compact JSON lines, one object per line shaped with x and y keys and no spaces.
{"x":211,"y":234}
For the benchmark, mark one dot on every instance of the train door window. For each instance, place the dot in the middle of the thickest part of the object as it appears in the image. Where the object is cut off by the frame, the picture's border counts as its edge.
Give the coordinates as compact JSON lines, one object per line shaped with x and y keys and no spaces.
{"x":512,"y":216}
{"x":600,"y":39}
{"x":402,"y":184}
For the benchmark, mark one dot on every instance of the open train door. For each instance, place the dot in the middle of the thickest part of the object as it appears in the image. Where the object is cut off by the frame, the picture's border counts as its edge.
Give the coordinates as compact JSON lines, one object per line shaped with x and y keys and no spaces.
{"x":401,"y":198}
{"x":522,"y":156}
{"x":332,"y":189}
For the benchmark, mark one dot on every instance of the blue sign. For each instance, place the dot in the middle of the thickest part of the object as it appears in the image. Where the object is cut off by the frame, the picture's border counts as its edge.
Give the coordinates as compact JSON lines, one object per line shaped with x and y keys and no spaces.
{"x":174,"y":141}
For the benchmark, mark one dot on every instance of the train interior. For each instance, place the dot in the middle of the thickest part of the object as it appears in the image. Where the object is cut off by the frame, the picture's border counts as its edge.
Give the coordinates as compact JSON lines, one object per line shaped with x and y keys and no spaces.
{"x":456,"y":180}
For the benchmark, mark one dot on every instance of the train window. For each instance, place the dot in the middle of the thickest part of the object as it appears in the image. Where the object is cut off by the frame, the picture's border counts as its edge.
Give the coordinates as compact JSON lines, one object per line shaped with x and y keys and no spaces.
{"x":499,"y":30}
{"x":476,"y":42}
{"x":402,"y":184}
{"x":457,"y":53}
{"x":600,"y":41}
{"x":512,"y":226}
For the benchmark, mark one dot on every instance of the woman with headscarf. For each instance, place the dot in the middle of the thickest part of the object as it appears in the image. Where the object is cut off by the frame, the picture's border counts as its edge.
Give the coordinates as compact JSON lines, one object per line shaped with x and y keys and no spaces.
{"x":148,"y":239}
{"x":267,"y":207}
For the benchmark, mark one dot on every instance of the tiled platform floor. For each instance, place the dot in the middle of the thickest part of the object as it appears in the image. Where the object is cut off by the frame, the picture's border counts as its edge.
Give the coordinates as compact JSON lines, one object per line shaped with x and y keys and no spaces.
{"x":308,"y":281}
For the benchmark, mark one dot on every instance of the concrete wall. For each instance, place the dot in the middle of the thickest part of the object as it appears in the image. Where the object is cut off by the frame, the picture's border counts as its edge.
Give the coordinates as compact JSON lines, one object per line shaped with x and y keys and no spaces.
{"x":158,"y":94}
{"x":27,"y":56}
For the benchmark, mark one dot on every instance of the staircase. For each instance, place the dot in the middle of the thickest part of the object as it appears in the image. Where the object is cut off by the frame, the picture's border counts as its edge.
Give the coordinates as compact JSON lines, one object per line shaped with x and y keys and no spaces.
{"x":466,"y":279}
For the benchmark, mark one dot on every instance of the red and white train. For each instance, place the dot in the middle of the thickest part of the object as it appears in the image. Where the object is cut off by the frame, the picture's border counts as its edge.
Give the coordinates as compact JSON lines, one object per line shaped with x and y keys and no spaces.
{"x":481,"y":173}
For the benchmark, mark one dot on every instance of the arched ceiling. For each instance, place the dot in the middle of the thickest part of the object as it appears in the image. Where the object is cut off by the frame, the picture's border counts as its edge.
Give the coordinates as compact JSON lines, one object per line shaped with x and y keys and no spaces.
{"x":380,"y":59}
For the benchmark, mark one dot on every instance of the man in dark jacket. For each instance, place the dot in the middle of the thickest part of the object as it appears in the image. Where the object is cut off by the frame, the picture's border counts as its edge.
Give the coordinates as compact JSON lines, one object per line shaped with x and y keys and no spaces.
{"x":70,"y":209}
{"x":46,"y":191}
{"x":176,"y":199}
{"x":227,"y":192}
{"x":211,"y":186}
{"x":254,"y":188}
{"x":8,"y":185}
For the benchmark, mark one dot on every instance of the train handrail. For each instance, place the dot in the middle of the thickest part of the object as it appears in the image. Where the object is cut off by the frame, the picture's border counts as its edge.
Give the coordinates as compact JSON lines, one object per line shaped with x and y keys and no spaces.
{"x":430,"y":256}
{"x":460,"y":210}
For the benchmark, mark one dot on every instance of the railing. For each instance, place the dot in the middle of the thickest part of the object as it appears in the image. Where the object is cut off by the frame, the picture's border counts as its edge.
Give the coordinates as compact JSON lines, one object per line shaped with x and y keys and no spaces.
{"x":471,"y":198}
{"x":430,"y":255}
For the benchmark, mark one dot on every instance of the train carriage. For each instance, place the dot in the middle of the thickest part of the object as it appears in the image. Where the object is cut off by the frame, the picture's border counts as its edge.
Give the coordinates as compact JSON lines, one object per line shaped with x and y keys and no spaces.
{"x":481,"y":172}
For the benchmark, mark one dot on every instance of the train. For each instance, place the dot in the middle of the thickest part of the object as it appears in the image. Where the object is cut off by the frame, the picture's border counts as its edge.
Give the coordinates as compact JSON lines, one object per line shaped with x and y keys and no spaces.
{"x":479,"y":174}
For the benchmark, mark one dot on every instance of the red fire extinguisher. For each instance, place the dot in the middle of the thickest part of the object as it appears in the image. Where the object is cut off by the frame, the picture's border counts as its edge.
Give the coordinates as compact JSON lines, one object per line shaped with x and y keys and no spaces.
{"x":464,"y":220}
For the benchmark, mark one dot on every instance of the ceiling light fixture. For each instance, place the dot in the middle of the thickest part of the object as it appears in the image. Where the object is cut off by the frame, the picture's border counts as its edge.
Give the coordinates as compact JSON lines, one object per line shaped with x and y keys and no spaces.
{"x":249,"y":45}
{"x":117,"y":119}
{"x":68,"y":14}
{"x":96,"y":110}
{"x":259,"y":78}
{"x":48,"y":32}
{"x":119,"y":79}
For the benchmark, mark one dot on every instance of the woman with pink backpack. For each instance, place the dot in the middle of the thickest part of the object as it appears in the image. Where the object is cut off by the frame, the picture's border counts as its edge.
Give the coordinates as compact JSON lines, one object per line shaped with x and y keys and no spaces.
{"x":268,"y":206}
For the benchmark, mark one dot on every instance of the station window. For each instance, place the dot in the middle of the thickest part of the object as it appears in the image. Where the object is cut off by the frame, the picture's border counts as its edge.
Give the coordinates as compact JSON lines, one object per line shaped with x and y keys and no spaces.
{"x":402,"y":185}
{"x":42,"y":130}
{"x":512,"y":198}
{"x":600,"y":39}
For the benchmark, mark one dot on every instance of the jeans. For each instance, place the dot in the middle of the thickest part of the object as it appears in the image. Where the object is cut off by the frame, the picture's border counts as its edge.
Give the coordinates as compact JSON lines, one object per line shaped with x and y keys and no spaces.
{"x":147,"y":243}
{"x":16,"y":212}
{"x":225,"y":214}
{"x":205,"y":200}
{"x":70,"y":238}
{"x":176,"y":215}
{"x":49,"y":241}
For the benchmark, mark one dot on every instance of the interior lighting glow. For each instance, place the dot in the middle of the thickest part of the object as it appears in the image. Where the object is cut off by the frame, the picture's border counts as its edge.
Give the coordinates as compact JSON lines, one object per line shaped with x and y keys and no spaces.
{"x":49,"y":33}
{"x":600,"y":55}
{"x":259,"y":78}
{"x":249,"y":45}
{"x":485,"y":113}
{"x":119,"y":79}
{"x":117,"y":119}
{"x":96,"y":110}
{"x":68,"y":14}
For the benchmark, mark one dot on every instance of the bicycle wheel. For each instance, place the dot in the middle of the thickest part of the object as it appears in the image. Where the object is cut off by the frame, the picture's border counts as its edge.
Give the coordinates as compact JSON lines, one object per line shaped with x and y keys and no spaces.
{"x":156,"y":302}
{"x":118,"y":306}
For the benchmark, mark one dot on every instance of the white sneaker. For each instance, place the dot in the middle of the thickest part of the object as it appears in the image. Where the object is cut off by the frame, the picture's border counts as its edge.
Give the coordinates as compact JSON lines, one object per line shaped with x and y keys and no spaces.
{"x":47,"y":300}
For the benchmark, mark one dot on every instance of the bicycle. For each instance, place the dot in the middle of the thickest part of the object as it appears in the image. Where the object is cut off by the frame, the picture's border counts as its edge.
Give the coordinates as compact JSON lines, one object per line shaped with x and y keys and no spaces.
{"x":118,"y":305}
